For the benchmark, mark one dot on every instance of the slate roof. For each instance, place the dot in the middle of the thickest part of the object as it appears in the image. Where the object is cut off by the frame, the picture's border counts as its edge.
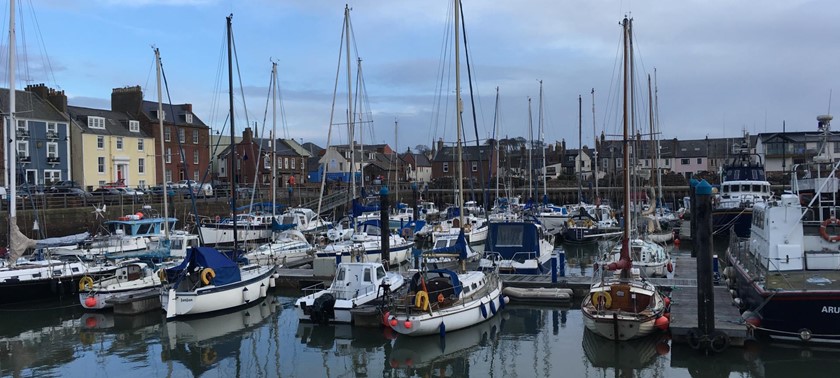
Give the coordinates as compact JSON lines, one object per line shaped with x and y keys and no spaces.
{"x":150,"y":109}
{"x":470,"y":153}
{"x":29,"y":106}
{"x":116,"y":123}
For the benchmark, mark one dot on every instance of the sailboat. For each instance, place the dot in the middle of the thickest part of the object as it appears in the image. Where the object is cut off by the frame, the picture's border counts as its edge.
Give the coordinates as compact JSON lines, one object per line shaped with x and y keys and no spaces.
{"x":624,"y":306}
{"x":24,"y":279}
{"x":441,"y":300}
{"x":207,"y":280}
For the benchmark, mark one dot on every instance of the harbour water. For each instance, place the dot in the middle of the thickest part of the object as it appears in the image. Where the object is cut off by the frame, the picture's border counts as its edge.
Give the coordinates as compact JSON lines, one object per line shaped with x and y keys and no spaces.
{"x":59,"y":339}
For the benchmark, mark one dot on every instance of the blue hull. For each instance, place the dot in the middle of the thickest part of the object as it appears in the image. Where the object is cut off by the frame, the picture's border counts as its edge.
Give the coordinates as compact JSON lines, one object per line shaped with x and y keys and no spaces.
{"x":724,"y":220}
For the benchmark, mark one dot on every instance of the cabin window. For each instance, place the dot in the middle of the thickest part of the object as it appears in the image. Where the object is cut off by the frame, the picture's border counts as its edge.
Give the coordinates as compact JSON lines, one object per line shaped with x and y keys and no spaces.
{"x":756,"y":188}
{"x":380,"y":272}
{"x":745,"y":188}
{"x":177,"y":244}
{"x":340,"y":275}
{"x":509,"y":235}
{"x":144,"y":229}
{"x":367,"y":275}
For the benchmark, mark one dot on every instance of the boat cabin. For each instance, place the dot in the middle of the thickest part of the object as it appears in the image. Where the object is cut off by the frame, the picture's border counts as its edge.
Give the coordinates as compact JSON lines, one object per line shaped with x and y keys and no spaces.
{"x":355,"y":279}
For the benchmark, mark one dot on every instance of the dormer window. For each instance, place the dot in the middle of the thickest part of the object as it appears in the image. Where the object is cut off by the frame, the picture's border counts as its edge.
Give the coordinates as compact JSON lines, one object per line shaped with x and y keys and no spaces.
{"x":160,"y":114}
{"x":346,"y":154}
{"x":134,"y":126}
{"x":188,"y":118}
{"x":371,"y":156}
{"x":96,"y":122}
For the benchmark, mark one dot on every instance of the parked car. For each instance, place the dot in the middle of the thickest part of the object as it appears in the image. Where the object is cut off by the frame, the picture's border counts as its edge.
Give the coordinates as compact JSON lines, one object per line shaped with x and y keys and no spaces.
{"x":70,"y":192}
{"x":105,"y":192}
{"x":27,"y":190}
{"x":199,"y":190}
{"x":158,"y":190}
{"x":65,"y":184}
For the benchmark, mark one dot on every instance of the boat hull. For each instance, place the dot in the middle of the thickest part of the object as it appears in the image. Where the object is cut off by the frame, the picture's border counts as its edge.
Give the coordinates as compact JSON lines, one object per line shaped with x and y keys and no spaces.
{"x":213,"y":298}
{"x":452,"y":318}
{"x":738,"y":219}
{"x":613,"y":326}
{"x":21,"y":285}
{"x":397,"y":255}
{"x":101,"y":299}
{"x":223,"y":234}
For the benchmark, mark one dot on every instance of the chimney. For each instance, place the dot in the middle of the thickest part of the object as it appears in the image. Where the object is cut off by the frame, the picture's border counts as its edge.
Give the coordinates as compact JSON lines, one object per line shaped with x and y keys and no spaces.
{"x":57,"y":98}
{"x":127,"y":100}
{"x":188,"y":108}
{"x":440,"y":144}
{"x":247,"y":135}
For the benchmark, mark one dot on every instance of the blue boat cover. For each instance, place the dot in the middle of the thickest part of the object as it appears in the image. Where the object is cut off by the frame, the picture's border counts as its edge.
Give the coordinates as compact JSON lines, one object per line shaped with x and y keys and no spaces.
{"x":453,"y":277}
{"x":460,"y":247}
{"x":277,"y":227}
{"x":199,"y":258}
{"x":359,"y":209}
{"x":511,"y":238}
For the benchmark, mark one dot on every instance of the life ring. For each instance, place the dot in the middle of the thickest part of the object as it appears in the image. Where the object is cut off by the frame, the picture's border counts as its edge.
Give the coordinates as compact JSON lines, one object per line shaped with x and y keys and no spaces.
{"x":719,"y":341}
{"x":440,"y":298}
{"x":824,"y":231}
{"x":596,"y":298}
{"x":421,"y":300}
{"x":467,"y":228}
{"x":207,"y":274}
{"x":438,"y":228}
{"x":86,"y":283}
{"x":162,"y":274}
{"x":208,"y":356}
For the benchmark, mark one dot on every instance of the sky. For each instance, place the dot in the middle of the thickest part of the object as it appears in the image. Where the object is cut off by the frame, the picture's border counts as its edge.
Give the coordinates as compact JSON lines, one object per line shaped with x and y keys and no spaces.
{"x":721,"y":67}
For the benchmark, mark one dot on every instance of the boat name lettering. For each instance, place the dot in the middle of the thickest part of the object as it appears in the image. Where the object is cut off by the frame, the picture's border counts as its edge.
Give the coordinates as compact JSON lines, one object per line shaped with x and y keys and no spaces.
{"x":185,"y":299}
{"x":831,"y":309}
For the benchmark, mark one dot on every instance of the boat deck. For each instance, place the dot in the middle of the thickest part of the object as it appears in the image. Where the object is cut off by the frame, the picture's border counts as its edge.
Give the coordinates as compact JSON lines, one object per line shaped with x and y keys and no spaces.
{"x":812,"y":280}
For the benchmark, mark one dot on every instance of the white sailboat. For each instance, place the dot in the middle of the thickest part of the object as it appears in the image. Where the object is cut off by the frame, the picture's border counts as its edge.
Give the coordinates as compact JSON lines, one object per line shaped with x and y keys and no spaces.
{"x":624,"y":306}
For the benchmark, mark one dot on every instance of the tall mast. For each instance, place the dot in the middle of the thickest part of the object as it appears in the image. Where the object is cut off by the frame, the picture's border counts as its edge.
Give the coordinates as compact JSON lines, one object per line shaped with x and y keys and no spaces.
{"x":232,"y":154}
{"x":542,"y":140}
{"x":530,"y":140}
{"x":162,"y":146}
{"x":580,"y":150}
{"x":625,"y":242}
{"x":12,"y":126}
{"x":350,"y":103}
{"x":397,"y":162}
{"x":654,"y":155}
{"x":495,"y":133}
{"x":274,"y":140}
{"x":595,"y":141}
{"x":458,"y":109}
{"x":658,"y":152}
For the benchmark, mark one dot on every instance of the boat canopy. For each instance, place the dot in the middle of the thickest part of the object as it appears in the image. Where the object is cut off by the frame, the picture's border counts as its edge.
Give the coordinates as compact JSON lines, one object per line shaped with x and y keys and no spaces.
{"x":460,"y":247}
{"x":513,"y":240}
{"x":198,"y":258}
{"x":359,"y":209}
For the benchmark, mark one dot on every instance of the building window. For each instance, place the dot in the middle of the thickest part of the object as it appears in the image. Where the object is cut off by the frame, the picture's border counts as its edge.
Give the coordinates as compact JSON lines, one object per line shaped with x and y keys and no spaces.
{"x":161,"y":114}
{"x":101,"y":182}
{"x":286,"y":162}
{"x":195,"y":175}
{"x":140,"y":145}
{"x":195,"y":157}
{"x":619,"y":163}
{"x":182,"y":136}
{"x":168,"y":155}
{"x":685,"y":161}
{"x":302,"y":164}
{"x":100,"y":142}
{"x":52,"y":150}
{"x":475,"y":166}
{"x":167,"y":134}
{"x":23,"y":149}
{"x":52,"y":127}
{"x":141,"y":165}
{"x":266,"y":162}
{"x":119,"y":143}
{"x":195,"y":134}
{"x":445,"y":167}
{"x":168,"y":176}
{"x":51,"y":176}
{"x":699,"y":160}
{"x":188,"y":118}
{"x":223,"y":168}
{"x":100,"y":164}
{"x":134,"y":126}
{"x":667,"y":162}
{"x":141,"y":184}
{"x":96,"y":122}
{"x":293,"y":163}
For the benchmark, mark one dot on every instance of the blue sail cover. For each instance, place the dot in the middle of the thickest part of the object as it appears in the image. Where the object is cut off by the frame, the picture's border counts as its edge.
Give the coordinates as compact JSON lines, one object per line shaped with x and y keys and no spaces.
{"x":199,"y":258}
{"x":453,"y":277}
{"x":452,"y":212}
{"x":359,"y":209}
{"x":460,"y":247}
{"x":510,"y":239}
{"x":277,"y":227}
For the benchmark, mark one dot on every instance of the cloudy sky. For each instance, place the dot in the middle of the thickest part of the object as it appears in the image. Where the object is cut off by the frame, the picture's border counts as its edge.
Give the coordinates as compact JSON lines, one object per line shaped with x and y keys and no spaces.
{"x":721,"y":66}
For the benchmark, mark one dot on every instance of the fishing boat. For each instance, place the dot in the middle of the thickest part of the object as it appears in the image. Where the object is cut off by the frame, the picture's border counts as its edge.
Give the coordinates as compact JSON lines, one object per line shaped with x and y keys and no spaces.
{"x":517,"y":248}
{"x":623,"y":306}
{"x":589,"y":223}
{"x":131,"y":277}
{"x":786,"y":276}
{"x":743,"y":184}
{"x":249,"y":227}
{"x":355,"y":284}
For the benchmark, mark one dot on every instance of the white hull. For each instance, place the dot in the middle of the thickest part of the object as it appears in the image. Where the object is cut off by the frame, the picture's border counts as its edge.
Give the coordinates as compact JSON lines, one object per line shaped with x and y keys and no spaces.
{"x":253,"y":286}
{"x":452,"y":318}
{"x":629,"y":327}
{"x":224,"y":235}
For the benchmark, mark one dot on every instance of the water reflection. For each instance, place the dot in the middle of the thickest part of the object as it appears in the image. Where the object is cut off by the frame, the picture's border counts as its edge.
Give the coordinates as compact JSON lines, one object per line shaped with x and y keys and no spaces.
{"x":580,"y":257}
{"x":624,"y":356}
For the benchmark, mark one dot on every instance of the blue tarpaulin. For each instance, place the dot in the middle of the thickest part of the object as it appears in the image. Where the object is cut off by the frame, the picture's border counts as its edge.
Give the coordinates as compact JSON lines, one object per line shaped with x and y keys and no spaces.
{"x":198,"y":258}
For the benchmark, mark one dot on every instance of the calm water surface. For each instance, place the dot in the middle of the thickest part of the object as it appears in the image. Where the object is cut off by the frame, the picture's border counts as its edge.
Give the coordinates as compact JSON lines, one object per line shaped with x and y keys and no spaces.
{"x":59,"y":339}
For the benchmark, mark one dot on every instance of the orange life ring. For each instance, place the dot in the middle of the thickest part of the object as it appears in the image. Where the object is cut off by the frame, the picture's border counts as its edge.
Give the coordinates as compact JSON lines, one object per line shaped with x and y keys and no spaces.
{"x":824,"y":231}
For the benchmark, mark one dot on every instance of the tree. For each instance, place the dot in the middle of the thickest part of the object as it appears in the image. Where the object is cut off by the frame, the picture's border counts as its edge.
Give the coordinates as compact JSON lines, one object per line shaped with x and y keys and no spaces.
{"x":422,"y":148}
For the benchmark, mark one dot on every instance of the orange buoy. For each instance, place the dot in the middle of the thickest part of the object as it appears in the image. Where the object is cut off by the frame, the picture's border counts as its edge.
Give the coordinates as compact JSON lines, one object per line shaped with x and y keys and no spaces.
{"x":667,"y":301}
{"x":662,"y":323}
{"x":663,"y":348}
{"x":393,"y":322}
{"x":670,"y":267}
{"x":139,"y":215}
{"x":440,"y":298}
{"x":385,"y":318}
{"x":90,"y":301}
{"x":90,"y":322}
{"x":407,"y":324}
{"x":677,"y":242}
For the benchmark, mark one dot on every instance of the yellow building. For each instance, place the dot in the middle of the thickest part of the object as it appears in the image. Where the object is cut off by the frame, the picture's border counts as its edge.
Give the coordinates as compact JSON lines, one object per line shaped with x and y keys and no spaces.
{"x":109,"y":147}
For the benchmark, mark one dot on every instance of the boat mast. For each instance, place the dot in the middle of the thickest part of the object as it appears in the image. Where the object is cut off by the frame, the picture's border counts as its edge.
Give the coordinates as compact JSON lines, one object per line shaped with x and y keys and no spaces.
{"x":625,"y":241}
{"x":350,"y":103}
{"x":580,"y":150}
{"x":658,"y":152}
{"x":274,"y":140}
{"x":542,"y":139}
{"x":397,"y":163}
{"x":595,"y":141}
{"x":162,"y":147}
{"x":654,"y":165}
{"x":232,"y":154}
{"x":495,"y":133}
{"x":12,"y":126}
{"x":458,"y":110}
{"x":531,"y":140}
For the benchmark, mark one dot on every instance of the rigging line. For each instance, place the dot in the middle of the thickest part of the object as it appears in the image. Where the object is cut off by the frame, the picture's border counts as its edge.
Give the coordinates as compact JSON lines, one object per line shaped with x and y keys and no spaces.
{"x":180,"y":148}
{"x":239,"y":76}
{"x":217,"y":85}
{"x":441,"y":73}
{"x":329,"y":128}
{"x":43,"y":45}
{"x":475,"y":121}
{"x":23,"y":43}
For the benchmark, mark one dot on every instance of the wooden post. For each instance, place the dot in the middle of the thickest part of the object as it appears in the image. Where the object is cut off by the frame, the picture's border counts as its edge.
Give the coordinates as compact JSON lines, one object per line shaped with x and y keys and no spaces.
{"x":384,"y":205}
{"x":703,"y":246}
{"x":692,"y":211}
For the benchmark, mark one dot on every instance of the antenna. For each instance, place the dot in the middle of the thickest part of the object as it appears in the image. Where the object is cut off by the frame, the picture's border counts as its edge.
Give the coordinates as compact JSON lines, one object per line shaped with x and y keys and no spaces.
{"x":829,"y":102}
